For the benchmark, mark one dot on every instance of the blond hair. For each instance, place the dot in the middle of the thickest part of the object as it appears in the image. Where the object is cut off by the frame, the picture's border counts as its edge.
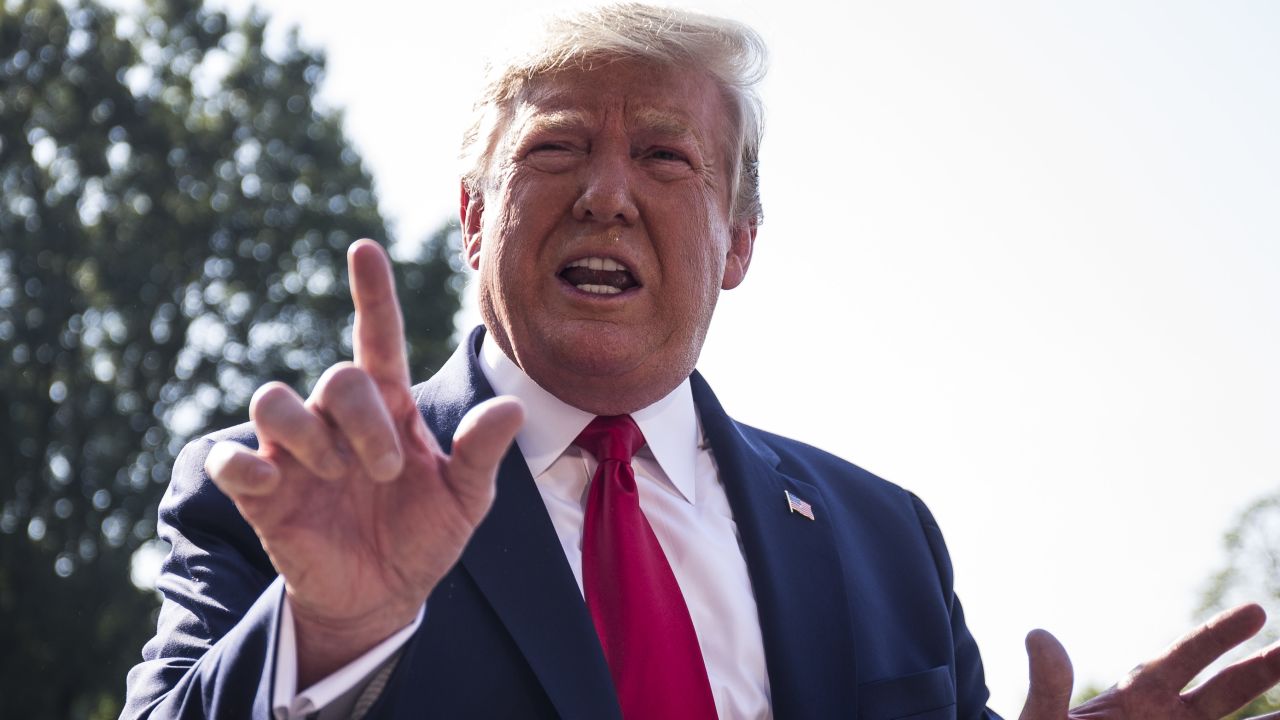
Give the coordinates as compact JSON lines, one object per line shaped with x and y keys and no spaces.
{"x":732,"y":53}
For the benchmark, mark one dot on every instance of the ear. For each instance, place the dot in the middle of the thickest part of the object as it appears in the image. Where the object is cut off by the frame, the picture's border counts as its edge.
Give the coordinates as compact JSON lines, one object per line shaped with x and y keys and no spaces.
{"x":470,"y":213}
{"x":741,"y":243}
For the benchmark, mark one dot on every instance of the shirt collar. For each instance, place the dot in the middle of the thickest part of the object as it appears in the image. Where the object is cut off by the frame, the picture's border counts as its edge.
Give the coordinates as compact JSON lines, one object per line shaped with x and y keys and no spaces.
{"x":670,"y":425}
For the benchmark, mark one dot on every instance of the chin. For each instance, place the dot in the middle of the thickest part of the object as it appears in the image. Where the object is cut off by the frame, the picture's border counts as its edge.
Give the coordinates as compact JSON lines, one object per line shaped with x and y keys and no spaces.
{"x":598,"y":358}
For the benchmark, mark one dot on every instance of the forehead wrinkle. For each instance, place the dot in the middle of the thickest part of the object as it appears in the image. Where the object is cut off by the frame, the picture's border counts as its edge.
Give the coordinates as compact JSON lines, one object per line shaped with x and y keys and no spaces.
{"x":546,"y":108}
{"x":556,"y":109}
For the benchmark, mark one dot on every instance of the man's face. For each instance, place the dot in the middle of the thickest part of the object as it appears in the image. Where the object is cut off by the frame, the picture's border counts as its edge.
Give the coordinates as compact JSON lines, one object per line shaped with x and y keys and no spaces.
{"x":604,"y":235}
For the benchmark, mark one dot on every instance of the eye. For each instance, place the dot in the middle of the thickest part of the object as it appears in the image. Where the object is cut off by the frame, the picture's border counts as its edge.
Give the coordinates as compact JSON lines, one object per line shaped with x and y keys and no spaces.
{"x":667,"y":155}
{"x":553,"y":156}
{"x":550,"y":148}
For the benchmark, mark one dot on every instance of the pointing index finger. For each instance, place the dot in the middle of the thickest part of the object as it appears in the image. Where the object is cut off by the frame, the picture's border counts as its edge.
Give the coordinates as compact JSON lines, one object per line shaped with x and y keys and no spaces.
{"x":378,"y":337}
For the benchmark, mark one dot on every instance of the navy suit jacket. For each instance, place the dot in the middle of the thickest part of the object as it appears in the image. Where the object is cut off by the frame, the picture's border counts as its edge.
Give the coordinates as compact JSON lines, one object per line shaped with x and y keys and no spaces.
{"x":856,"y":606}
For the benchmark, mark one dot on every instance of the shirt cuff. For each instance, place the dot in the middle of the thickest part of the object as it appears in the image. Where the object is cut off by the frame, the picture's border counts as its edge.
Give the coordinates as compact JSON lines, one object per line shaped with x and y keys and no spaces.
{"x":289,"y":704}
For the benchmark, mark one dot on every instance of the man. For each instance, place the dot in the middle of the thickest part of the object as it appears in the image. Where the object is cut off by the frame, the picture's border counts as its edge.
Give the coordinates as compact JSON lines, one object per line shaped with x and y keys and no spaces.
{"x":645,"y":556}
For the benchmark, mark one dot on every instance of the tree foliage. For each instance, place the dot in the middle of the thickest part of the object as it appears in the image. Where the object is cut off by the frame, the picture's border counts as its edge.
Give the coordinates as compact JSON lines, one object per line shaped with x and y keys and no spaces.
{"x":1251,"y":574}
{"x":174,"y":212}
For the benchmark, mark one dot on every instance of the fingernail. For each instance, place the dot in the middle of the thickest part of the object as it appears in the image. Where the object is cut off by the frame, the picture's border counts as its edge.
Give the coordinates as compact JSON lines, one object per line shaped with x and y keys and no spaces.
{"x":387,"y":467}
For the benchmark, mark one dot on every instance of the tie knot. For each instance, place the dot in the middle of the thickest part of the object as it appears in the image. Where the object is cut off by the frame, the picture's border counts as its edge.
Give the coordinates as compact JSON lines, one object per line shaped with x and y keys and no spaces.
{"x":611,"y":437}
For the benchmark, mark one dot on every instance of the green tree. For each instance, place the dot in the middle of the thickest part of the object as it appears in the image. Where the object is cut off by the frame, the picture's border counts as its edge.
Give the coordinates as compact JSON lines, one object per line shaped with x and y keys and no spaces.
{"x":174,"y":213}
{"x":1251,"y":573}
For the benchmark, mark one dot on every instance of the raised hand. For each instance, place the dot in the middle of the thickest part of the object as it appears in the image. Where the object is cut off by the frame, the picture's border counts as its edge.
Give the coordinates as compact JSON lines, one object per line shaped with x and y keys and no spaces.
{"x":1156,"y":690}
{"x":354,"y":501}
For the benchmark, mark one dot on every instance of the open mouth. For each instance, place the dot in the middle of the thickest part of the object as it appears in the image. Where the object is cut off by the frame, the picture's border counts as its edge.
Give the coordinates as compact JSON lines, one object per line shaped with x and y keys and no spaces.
{"x":599,"y":276}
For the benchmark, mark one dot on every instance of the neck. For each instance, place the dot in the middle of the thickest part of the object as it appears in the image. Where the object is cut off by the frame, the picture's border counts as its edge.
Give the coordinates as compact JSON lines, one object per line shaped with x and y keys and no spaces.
{"x":597,"y":390}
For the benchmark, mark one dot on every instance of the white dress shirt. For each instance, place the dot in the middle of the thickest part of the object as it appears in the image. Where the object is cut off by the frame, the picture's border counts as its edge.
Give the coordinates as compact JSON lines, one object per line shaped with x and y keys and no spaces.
{"x":685,"y":503}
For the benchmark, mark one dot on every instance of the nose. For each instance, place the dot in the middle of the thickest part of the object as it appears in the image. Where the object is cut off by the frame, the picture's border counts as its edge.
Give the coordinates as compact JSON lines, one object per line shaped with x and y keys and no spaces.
{"x":606,"y":195}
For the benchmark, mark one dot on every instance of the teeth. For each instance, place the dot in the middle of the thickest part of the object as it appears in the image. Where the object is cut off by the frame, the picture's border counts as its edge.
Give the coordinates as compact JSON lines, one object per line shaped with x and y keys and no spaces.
{"x":598,"y":263}
{"x":599,"y":289}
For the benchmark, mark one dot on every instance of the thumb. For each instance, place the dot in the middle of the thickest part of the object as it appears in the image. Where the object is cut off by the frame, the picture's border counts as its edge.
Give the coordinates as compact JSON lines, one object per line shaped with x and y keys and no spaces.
{"x":1049,"y":695}
{"x":479,"y":445}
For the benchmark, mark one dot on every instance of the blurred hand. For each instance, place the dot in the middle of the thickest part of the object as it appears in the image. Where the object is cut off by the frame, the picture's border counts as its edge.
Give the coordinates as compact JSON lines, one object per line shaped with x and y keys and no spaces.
{"x":1155,"y":690}
{"x":354,"y":501}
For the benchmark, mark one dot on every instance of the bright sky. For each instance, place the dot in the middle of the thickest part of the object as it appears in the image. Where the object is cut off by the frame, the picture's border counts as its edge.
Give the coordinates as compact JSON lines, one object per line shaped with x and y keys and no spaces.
{"x":1020,"y":258}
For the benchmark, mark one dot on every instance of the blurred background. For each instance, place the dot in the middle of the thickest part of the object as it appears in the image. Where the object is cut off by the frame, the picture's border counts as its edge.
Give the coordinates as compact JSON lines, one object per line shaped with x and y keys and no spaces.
{"x":1025,"y":258}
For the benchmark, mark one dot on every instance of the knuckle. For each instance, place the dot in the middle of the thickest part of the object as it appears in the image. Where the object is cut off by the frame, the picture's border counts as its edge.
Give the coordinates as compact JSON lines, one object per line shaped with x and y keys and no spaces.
{"x":216,"y":462}
{"x":465,"y":461}
{"x":316,"y":441}
{"x":343,"y":379}
{"x":373,"y":442}
{"x":269,"y":396}
{"x":473,"y":463}
{"x":227,"y":463}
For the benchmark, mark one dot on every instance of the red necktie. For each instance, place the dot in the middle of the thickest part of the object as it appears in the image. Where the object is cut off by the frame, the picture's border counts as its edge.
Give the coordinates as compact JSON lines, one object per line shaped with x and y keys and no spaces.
{"x":639,"y":613}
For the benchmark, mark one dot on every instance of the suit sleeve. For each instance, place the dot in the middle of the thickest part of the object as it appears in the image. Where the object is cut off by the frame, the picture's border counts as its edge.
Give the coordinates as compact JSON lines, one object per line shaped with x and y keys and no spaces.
{"x":971,"y":684}
{"x":221,"y":605}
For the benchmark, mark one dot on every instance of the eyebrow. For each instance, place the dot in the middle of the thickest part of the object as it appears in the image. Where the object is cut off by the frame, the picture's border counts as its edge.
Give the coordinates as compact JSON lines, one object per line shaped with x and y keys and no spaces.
{"x":555,"y":121}
{"x":668,"y":125}
{"x":662,"y":123}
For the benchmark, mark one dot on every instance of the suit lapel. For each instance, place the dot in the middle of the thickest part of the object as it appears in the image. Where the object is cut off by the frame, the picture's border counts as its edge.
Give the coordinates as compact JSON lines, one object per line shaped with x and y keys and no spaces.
{"x":516,"y":560}
{"x":795,"y":571}
{"x":796,"y":574}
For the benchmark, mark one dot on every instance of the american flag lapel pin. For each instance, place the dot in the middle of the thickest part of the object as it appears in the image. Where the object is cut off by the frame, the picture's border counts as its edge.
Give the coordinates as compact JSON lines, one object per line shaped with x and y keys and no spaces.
{"x":796,"y":505}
